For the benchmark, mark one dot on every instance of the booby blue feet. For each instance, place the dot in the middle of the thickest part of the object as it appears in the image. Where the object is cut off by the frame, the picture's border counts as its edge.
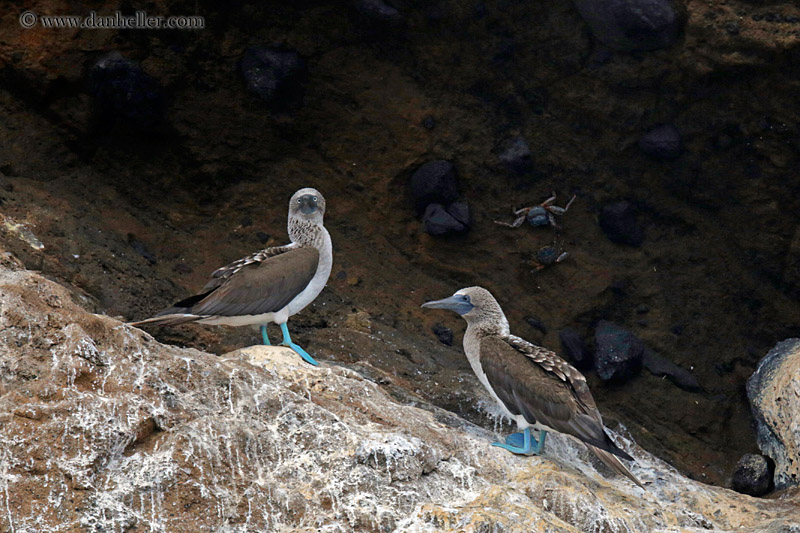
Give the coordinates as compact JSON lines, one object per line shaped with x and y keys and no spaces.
{"x":523,"y":443}
{"x":265,"y":336}
{"x":287,"y":341}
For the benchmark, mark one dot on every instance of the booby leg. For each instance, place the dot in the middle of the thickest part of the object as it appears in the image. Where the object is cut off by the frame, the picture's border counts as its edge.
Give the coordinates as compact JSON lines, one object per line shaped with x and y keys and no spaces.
{"x":287,"y":341}
{"x":523,"y":443}
{"x":265,"y":336}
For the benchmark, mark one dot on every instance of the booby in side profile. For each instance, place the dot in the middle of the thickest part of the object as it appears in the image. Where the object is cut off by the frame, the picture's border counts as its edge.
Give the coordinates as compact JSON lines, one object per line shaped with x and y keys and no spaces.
{"x":268,"y":286}
{"x":536,"y":388}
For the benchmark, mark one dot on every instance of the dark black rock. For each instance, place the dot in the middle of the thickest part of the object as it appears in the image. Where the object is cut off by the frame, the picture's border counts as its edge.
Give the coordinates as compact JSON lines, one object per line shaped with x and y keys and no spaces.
{"x":141,"y":249}
{"x":753,"y":475}
{"x":662,"y":142}
{"x":262,"y":237}
{"x":618,"y":354}
{"x":275,"y":75}
{"x":535,"y":323}
{"x":662,"y":367}
{"x":429,"y":122}
{"x":444,"y":334}
{"x":378,"y":12}
{"x":460,"y":211}
{"x":183,"y":268}
{"x":618,"y":221}
{"x":375,"y":20}
{"x":434,"y":182}
{"x":631,"y":24}
{"x":575,"y":349}
{"x":439,"y":222}
{"x":516,"y":156}
{"x":123,"y":94}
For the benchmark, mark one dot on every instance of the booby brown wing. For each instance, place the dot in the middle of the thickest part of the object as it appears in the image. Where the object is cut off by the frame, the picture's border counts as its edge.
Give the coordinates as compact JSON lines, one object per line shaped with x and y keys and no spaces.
{"x":261,"y":283}
{"x":265,"y":286}
{"x":219,"y":276}
{"x":537,"y":384}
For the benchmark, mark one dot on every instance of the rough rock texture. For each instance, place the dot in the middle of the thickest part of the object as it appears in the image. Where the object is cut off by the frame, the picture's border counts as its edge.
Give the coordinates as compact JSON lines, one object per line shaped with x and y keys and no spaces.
{"x":104,"y":429}
{"x":774,"y":393}
{"x":439,"y":221}
{"x":752,"y":475}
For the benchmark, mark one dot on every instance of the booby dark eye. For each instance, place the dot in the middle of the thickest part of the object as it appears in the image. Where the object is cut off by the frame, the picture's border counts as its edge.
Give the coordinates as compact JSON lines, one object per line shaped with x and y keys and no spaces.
{"x":299,"y":201}
{"x":315,"y":198}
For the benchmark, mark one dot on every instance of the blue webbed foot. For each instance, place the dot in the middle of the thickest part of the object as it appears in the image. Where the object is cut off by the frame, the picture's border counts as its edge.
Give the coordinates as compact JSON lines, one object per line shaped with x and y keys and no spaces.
{"x":265,"y":336}
{"x":523,"y":443}
{"x":287,"y":341}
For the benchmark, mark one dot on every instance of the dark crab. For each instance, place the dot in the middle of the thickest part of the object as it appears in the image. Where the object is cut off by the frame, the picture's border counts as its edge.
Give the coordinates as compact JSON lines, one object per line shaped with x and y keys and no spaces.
{"x":538,"y":215}
{"x":548,"y":255}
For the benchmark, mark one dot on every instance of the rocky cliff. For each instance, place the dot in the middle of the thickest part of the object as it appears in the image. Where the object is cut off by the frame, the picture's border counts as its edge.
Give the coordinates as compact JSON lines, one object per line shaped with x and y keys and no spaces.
{"x":102,"y":428}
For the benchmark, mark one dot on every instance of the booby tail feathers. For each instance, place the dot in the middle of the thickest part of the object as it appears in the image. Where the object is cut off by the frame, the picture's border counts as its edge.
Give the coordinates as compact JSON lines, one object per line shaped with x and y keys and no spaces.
{"x":172,"y":319}
{"x":613,"y":463}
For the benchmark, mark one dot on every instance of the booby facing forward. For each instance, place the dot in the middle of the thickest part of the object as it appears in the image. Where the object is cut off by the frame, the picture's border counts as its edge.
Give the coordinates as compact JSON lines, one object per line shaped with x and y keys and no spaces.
{"x":534,"y":387}
{"x":268,"y":286}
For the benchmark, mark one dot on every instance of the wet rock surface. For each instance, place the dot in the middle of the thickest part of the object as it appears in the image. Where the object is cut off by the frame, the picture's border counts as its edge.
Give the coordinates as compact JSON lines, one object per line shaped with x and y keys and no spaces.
{"x":131,"y":434}
{"x":774,"y":390}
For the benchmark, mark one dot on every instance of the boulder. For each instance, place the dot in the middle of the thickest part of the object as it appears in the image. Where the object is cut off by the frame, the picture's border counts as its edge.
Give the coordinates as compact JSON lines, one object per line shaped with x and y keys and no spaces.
{"x":619,"y":222}
{"x":618,"y":352}
{"x":275,"y":75}
{"x":438,"y":221}
{"x":752,"y":475}
{"x":629,"y":25}
{"x":774,"y":394}
{"x":433,"y":182}
{"x":575,"y":350}
{"x":662,"y":142}
{"x":516,"y":155}
{"x":123,"y":94}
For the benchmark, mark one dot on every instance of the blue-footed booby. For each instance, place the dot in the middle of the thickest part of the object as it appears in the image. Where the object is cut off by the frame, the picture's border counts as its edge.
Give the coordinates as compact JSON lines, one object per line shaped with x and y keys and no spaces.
{"x":270,"y":285}
{"x":534,"y":387}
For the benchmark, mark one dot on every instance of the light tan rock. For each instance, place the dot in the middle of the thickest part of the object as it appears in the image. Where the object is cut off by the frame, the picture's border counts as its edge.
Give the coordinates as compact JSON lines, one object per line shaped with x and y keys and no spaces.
{"x":104,"y":429}
{"x":774,"y":393}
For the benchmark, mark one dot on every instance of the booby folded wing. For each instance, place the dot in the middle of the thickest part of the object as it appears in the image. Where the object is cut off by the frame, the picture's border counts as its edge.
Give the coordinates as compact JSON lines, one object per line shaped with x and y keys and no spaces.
{"x":537,"y":384}
{"x":219,"y":276}
{"x":265,"y":286}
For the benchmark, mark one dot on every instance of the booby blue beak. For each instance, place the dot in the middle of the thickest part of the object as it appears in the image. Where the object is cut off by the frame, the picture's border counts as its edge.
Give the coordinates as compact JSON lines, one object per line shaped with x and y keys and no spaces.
{"x":458,"y":303}
{"x":307,"y":203}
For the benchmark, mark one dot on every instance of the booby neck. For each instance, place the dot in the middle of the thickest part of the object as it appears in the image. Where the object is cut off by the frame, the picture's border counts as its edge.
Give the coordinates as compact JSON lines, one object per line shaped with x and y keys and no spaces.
{"x":488,"y":320}
{"x":305,"y":232}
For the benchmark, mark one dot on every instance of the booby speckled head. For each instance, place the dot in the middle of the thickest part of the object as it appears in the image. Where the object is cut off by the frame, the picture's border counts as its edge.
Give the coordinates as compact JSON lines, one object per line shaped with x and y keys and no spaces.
{"x":475,"y":304}
{"x":307,"y":204}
